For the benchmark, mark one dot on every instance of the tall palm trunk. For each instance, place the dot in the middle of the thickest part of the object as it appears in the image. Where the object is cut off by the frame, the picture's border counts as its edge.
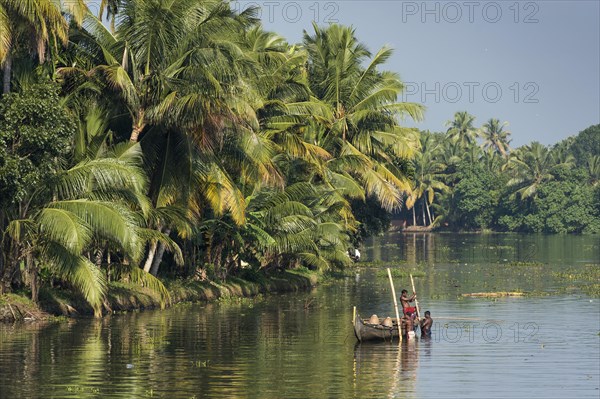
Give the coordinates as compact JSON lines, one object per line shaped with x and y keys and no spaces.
{"x":414,"y":216}
{"x":501,"y":150}
{"x":33,"y":276}
{"x":1,"y":273}
{"x":11,"y":274}
{"x":3,"y":257}
{"x":98,"y":256}
{"x":150,"y":258}
{"x":7,"y":69}
{"x":159,"y":255}
{"x":428,"y":212}
{"x":138,"y":126}
{"x":5,"y":274}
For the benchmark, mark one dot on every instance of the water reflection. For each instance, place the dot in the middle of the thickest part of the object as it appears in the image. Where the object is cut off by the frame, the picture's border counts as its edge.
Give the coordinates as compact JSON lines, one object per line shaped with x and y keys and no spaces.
{"x":461,"y":263}
{"x":277,"y":347}
{"x":415,"y":248}
{"x":394,"y":364}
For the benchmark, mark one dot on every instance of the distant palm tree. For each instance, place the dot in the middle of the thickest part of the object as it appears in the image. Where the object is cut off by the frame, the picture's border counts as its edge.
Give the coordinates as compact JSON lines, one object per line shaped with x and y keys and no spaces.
{"x":495,"y":137}
{"x":472,"y":154}
{"x":531,"y":165}
{"x":593,"y":167}
{"x":428,"y":178}
{"x":563,"y":154}
{"x":461,"y":129}
{"x":492,"y":161}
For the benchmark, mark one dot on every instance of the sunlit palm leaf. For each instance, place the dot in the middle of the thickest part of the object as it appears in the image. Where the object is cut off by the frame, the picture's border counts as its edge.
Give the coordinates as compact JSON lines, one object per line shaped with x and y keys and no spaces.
{"x":78,"y":270}
{"x":65,"y":228}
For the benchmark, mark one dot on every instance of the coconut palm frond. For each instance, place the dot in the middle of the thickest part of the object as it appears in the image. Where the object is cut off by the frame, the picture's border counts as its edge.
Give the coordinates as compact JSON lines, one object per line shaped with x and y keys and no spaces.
{"x":78,"y":270}
{"x":65,"y":228}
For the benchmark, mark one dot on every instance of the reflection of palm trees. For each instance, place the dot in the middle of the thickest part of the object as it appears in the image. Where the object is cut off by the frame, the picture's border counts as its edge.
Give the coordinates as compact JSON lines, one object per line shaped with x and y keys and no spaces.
{"x":386,"y":368}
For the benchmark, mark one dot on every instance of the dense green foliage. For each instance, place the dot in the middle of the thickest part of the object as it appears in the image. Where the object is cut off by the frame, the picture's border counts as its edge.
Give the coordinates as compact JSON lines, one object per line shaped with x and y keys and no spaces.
{"x":585,"y":146}
{"x":476,"y":195}
{"x":35,"y":133}
{"x":185,"y":141}
{"x":532,"y":188}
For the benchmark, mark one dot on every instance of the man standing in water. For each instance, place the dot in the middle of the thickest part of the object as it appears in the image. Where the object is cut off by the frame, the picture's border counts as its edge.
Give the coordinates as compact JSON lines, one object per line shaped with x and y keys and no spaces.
{"x":408,"y":325}
{"x":426,"y":324}
{"x":405,"y":301}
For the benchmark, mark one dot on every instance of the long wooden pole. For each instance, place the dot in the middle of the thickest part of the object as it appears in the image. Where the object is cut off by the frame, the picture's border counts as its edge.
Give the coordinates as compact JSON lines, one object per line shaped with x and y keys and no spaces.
{"x":416,"y":302}
{"x":398,"y":322}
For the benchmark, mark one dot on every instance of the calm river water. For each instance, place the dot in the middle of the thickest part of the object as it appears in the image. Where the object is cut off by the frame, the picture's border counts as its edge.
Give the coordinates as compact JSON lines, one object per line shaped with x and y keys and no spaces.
{"x":302,"y":345}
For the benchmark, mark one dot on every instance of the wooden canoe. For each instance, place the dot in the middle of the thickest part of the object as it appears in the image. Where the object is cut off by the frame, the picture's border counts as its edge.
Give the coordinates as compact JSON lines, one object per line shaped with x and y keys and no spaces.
{"x":365,"y":331}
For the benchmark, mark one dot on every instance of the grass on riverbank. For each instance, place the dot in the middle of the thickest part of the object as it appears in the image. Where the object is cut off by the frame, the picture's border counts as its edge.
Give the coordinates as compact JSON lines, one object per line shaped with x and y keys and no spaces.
{"x":123,"y":297}
{"x":18,"y":307}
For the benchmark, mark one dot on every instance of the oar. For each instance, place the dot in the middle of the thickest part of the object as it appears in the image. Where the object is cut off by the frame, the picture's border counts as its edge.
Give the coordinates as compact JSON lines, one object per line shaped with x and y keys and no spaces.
{"x":416,"y":302}
{"x":395,"y":305}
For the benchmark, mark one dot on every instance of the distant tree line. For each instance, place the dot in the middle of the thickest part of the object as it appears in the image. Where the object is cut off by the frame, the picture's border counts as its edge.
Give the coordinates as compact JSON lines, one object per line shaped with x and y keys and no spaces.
{"x":469,"y":178}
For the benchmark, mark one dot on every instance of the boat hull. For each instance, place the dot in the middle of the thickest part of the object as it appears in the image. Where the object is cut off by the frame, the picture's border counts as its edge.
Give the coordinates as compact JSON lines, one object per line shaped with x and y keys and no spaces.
{"x":365,"y":331}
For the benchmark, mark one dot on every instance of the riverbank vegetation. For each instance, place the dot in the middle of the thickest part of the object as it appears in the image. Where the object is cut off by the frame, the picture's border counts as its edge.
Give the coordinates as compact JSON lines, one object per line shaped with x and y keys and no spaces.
{"x":469,"y":178}
{"x":180,"y":141}
{"x":123,"y":296}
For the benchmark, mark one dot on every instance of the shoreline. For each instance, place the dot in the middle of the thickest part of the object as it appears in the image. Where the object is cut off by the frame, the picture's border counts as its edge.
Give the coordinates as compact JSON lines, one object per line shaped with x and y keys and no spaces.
{"x":439,"y":230}
{"x":122,"y":297}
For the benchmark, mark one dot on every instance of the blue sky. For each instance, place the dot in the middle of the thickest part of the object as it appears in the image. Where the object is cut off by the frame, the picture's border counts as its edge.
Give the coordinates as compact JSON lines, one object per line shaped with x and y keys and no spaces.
{"x":535,"y":64}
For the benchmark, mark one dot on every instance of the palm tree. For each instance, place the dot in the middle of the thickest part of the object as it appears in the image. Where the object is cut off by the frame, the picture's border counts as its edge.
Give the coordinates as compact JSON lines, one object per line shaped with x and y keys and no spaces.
{"x":563,"y":154}
{"x":111,"y":7}
{"x":493,"y":161}
{"x":593,"y":167}
{"x":461,"y":129}
{"x":495,"y":137}
{"x":531,"y":165}
{"x":88,"y":204}
{"x":355,"y":112}
{"x":285,"y":227}
{"x":181,"y":79}
{"x":428,"y":178}
{"x":172,"y":62}
{"x":82,"y":207}
{"x":34,"y":24}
